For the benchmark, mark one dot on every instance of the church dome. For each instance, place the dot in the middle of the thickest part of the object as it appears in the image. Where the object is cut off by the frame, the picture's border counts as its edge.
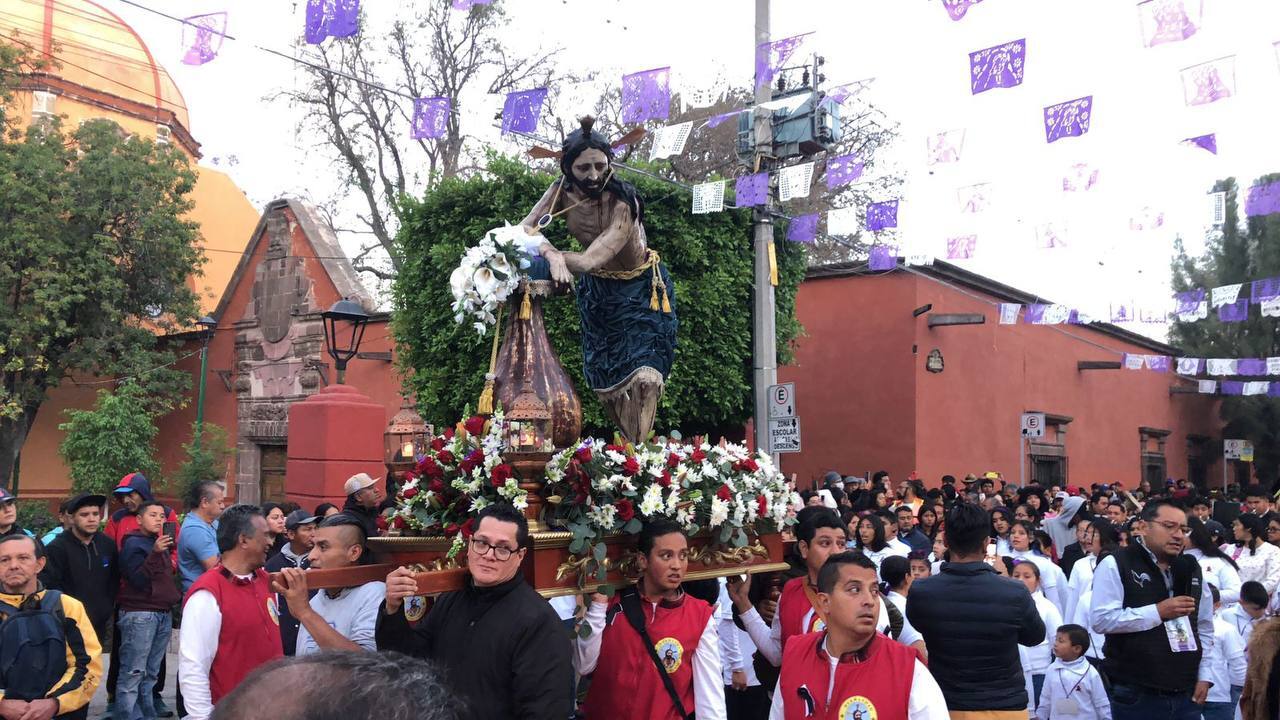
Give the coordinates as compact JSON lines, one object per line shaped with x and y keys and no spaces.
{"x":103,"y":61}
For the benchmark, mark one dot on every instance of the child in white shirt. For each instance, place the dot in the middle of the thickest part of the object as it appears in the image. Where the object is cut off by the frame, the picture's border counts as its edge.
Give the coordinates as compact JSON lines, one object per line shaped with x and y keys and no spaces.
{"x":1072,"y":686}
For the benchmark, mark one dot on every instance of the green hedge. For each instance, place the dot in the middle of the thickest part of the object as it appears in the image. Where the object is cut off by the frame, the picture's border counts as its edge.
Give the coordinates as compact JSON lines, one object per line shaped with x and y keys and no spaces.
{"x":709,"y":256}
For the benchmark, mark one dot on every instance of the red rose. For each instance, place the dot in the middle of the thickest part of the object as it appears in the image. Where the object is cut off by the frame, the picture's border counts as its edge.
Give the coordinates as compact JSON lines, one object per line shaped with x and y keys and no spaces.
{"x":583,"y":455}
{"x":616,"y":448}
{"x":468,"y":527}
{"x":410,"y":493}
{"x":665,"y":480}
{"x":724,"y":493}
{"x":762,"y":506}
{"x":631,"y":466}
{"x":698,"y":456}
{"x":673,"y":461}
{"x":471,"y":461}
{"x":747,"y":465}
{"x":448,"y":434}
{"x":474,"y":425}
{"x":428,"y":468}
{"x":451,"y":529}
{"x":625,"y":509}
{"x":501,"y":473}
{"x":436,"y":486}
{"x":398,"y":522}
{"x":444,"y":457}
{"x":381,"y":522}
{"x":437,"y":444}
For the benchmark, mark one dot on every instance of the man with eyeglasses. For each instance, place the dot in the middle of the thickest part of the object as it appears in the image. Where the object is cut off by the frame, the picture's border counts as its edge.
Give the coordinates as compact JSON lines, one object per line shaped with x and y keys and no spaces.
{"x":501,"y":645}
{"x":1150,"y":600}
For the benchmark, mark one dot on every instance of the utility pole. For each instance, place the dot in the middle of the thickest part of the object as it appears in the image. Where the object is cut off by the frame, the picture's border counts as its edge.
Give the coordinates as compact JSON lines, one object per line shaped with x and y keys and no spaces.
{"x":764,"y":336}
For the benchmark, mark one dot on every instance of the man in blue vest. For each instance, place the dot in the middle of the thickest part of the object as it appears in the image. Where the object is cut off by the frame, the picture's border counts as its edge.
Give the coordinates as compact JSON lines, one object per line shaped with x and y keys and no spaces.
{"x":1150,"y":601}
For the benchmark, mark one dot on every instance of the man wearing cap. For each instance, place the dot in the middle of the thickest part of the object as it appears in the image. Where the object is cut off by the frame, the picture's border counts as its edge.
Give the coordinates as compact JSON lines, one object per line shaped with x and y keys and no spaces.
{"x":133,"y":490}
{"x":9,"y":515}
{"x":341,"y":619}
{"x":364,"y":497}
{"x":83,"y":562}
{"x":300,"y":528}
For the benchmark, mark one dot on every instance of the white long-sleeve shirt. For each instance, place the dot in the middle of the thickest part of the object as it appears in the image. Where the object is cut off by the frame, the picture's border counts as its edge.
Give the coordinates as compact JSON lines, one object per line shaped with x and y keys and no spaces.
{"x":1084,"y":618}
{"x":1220,"y":573}
{"x":736,"y":647}
{"x":925,"y":702}
{"x":1236,"y":617}
{"x":1080,"y":581}
{"x":1036,"y":660}
{"x":1078,"y":681}
{"x":1262,"y":565}
{"x":197,"y":646}
{"x":909,"y":635}
{"x":708,"y":681}
{"x":1053,"y":582}
{"x":1110,"y":616}
{"x":768,"y":638}
{"x":1229,"y":664}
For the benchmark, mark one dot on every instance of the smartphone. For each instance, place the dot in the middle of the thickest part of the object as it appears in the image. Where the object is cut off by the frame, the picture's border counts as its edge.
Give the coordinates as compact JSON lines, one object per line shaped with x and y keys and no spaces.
{"x":171,"y":529}
{"x":991,"y":554}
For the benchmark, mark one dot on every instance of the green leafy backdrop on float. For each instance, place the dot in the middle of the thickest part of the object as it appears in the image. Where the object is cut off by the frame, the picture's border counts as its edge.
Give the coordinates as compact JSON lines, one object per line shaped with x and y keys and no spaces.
{"x":709,"y":256}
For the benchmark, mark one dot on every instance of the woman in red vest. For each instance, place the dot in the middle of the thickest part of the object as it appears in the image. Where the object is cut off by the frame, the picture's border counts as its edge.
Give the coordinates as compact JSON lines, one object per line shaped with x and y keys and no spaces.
{"x":849,"y":671}
{"x":653,"y":649}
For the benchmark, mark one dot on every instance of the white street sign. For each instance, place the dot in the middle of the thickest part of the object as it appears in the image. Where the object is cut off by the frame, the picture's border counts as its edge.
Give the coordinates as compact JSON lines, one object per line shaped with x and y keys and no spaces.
{"x":784,"y":435}
{"x":1237,"y":450}
{"x":782,"y":401}
{"x":1033,"y":425}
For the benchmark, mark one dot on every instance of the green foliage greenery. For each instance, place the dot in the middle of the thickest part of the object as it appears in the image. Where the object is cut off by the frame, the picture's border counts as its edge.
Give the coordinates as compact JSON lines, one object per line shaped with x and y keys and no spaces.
{"x":209,"y":461}
{"x":110,"y":441}
{"x":709,"y":257}
{"x":1238,"y":253}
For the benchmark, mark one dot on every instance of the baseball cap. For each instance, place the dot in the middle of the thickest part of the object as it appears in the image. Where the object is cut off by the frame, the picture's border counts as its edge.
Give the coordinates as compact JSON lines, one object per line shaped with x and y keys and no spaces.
{"x":126,"y":483}
{"x":299,"y":517}
{"x":7,"y":497}
{"x":357,"y":482}
{"x":84,"y":499}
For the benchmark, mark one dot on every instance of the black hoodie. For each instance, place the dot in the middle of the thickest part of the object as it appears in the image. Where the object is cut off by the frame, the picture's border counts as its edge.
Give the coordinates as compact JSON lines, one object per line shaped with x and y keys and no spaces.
{"x":88,"y":572}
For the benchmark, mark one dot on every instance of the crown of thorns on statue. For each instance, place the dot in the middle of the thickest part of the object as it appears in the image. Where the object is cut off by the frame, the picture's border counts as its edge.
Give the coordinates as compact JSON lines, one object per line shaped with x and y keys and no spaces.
{"x":586,"y":138}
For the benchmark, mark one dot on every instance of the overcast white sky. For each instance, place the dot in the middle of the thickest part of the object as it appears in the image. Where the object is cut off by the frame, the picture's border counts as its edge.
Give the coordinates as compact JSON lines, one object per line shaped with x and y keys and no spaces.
{"x":919,"y":58}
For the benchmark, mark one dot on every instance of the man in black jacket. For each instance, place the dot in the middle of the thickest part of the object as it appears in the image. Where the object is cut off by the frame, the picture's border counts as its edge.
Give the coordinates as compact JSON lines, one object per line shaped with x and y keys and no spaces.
{"x":83,"y":562}
{"x":500,"y":644}
{"x":973,"y":621}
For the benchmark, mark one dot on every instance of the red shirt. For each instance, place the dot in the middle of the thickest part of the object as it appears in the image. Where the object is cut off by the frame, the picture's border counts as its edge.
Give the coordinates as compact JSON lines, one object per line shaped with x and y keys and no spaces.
{"x":250,"y":634}
{"x":874,"y":687}
{"x":796,"y":614}
{"x":626,"y":684}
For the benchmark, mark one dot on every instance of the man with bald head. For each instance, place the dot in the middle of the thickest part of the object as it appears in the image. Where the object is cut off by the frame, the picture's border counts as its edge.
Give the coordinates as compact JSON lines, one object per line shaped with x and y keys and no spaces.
{"x":343,"y":619}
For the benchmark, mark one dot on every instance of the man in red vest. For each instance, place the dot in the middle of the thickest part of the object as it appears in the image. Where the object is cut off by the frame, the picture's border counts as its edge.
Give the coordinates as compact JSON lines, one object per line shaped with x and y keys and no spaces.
{"x":819,"y":535}
{"x":229,"y":622}
{"x":653,"y":649}
{"x":849,"y":671}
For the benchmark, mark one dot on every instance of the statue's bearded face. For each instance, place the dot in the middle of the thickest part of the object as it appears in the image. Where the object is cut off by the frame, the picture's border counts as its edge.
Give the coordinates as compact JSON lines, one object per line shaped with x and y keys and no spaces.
{"x":591,"y":172}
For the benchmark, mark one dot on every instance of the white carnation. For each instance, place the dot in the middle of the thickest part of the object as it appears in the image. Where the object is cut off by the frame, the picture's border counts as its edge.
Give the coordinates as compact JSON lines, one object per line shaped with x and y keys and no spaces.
{"x":651,"y":504}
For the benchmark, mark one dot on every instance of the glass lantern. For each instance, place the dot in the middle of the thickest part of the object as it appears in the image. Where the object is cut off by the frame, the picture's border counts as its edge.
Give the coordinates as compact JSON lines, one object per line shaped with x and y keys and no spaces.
{"x":529,"y":422}
{"x":406,"y":437}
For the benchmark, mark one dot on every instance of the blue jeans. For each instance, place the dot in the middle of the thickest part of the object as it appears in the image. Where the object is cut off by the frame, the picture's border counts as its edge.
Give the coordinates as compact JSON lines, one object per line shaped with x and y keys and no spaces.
{"x":1134,"y":703}
{"x":1224,"y":710}
{"x":144,"y":638}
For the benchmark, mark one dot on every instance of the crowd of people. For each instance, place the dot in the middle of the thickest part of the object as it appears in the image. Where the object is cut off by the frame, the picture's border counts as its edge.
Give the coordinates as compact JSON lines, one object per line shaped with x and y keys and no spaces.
{"x":974,"y":599}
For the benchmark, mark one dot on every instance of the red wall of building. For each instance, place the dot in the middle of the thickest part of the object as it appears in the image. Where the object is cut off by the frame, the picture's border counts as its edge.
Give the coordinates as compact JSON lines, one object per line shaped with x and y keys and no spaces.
{"x":867,"y":403}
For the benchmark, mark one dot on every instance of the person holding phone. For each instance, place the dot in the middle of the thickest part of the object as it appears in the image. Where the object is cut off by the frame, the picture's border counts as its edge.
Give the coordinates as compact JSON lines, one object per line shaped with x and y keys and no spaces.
{"x":146,"y":601}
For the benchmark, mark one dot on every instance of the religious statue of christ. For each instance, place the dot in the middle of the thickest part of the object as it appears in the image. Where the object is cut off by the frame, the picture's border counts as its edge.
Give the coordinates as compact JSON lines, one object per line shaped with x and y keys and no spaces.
{"x":625,"y":296}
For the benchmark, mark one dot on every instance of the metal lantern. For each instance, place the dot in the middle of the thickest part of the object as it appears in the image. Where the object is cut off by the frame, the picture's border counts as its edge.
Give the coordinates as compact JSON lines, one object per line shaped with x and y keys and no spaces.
{"x":406,"y":437}
{"x":344,"y":325}
{"x":529,"y":422}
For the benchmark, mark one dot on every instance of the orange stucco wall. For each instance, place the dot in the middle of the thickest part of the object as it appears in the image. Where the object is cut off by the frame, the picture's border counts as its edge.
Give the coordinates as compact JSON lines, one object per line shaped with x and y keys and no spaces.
{"x":867,"y":403}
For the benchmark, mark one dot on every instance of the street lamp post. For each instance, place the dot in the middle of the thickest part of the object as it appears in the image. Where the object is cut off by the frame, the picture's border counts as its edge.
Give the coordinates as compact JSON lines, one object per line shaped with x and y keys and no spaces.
{"x":207,"y":326}
{"x":342,"y":347}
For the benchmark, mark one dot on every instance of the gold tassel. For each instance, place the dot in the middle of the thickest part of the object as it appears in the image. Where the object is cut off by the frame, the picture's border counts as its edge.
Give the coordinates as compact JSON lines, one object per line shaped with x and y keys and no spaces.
{"x":653,"y":297}
{"x":666,"y":304}
{"x":484,"y":406}
{"x":526,"y":306}
{"x":773,"y":266}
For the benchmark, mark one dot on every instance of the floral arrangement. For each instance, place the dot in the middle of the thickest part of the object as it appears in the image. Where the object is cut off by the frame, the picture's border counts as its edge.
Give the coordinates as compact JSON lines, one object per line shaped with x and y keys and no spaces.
{"x":461,"y":472}
{"x":596,"y":488}
{"x":487,"y":275}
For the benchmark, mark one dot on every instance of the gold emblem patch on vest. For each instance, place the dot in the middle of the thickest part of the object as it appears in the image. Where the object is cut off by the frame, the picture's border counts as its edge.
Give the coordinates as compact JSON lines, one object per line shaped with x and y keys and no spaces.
{"x":415,"y":606}
{"x":671,"y":653}
{"x":857,"y":708}
{"x":272,"y":611}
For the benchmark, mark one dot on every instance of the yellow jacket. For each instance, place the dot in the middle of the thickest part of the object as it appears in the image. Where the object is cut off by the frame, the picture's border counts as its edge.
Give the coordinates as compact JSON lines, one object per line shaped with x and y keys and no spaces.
{"x":84,"y":653}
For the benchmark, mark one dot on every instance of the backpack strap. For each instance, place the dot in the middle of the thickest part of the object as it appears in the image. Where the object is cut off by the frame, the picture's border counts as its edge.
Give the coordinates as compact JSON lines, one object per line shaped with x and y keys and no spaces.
{"x":631,"y":608}
{"x":7,"y":611}
{"x":52,"y":603}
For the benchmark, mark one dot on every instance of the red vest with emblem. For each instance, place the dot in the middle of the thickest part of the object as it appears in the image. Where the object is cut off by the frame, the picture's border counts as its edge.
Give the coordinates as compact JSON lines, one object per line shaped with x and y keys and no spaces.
{"x":878,"y":687}
{"x":626,"y":684}
{"x":250,"y":634}
{"x":794,"y":608}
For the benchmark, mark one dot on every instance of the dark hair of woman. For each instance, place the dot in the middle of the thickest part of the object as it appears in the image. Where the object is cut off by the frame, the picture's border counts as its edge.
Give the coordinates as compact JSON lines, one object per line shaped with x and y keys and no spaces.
{"x":878,"y":542}
{"x":1202,"y":541}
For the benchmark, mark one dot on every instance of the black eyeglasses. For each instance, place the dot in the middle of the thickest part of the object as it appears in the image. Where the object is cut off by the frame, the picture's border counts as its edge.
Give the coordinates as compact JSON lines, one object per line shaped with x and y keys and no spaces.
{"x":500,"y":553}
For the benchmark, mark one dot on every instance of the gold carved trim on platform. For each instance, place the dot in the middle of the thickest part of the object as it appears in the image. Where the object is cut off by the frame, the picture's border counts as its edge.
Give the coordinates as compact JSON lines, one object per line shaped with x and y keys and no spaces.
{"x":628,"y":565}
{"x":715,"y":555}
{"x":710,"y":574}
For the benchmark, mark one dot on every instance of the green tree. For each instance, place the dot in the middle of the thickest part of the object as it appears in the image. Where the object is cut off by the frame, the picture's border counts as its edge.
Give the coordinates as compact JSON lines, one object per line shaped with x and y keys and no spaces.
{"x":1237,"y":253}
{"x":110,"y":441}
{"x":95,"y":252}
{"x":206,"y":462}
{"x":709,"y":256}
